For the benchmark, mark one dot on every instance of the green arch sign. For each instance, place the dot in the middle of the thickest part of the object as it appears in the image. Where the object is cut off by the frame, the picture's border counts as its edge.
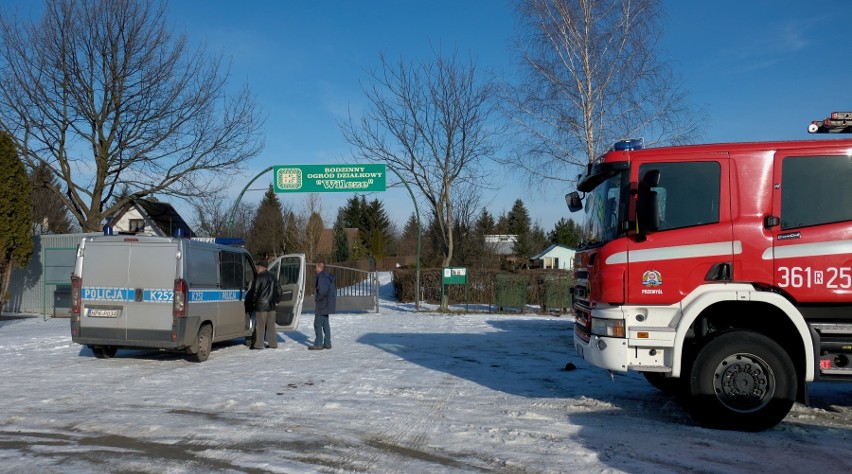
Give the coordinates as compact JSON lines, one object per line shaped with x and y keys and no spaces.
{"x":329,"y":178}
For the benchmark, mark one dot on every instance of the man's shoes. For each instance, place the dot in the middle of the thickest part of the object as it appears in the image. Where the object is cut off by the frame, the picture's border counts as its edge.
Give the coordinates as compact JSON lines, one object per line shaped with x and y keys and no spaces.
{"x":255,"y":348}
{"x":327,"y":347}
{"x":314,"y":348}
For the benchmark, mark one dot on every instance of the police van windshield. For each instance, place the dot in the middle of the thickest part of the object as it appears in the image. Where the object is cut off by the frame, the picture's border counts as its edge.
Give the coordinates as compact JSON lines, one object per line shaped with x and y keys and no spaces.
{"x":606,"y":209}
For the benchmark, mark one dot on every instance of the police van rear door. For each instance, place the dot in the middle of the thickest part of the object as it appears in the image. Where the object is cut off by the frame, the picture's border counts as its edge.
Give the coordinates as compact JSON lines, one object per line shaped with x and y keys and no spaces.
{"x":105,"y":290}
{"x":290,"y":272}
{"x":127,"y":289}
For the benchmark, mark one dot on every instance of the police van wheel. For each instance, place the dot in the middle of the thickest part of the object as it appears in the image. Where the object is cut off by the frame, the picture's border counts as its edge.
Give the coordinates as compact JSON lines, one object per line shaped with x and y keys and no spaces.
{"x":104,"y":352}
{"x":203,"y":343}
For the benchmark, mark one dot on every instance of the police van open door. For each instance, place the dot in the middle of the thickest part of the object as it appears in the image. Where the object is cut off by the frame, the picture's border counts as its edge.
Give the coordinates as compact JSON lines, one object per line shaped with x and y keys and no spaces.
{"x":290,"y":272}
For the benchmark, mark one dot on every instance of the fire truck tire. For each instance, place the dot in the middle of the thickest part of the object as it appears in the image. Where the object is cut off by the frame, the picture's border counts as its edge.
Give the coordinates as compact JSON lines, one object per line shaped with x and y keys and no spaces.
{"x":742,"y":380}
{"x":203,"y":343}
{"x":667,"y":385}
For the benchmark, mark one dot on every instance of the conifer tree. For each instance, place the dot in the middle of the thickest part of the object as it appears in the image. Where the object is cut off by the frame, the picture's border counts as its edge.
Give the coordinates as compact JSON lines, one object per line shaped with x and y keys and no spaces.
{"x":16,"y":214}
{"x":372,"y":223}
{"x":566,"y":233}
{"x":408,"y":239}
{"x":49,"y":212}
{"x":292,"y":242}
{"x":518,"y":220}
{"x":340,"y":244}
{"x":267,"y":230}
{"x":485,"y":225}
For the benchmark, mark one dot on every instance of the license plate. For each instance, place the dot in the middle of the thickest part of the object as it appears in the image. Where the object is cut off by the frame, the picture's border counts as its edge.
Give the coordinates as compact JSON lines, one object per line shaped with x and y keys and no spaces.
{"x":103,"y":312}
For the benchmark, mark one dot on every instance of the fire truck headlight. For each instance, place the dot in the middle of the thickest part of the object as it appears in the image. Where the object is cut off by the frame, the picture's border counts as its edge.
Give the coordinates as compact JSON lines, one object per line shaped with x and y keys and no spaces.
{"x":608,"y":327}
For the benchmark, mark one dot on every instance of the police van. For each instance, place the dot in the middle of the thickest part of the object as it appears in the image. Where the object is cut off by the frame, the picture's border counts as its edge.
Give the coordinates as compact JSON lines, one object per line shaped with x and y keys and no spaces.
{"x":149,"y":292}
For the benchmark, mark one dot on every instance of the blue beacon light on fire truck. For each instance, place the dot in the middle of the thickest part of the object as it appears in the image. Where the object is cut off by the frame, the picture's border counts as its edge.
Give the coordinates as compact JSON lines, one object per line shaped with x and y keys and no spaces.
{"x":629,"y":144}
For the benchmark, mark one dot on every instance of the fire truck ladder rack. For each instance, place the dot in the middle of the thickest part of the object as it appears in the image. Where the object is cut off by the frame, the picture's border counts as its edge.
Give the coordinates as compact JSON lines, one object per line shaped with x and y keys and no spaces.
{"x":838,"y":122}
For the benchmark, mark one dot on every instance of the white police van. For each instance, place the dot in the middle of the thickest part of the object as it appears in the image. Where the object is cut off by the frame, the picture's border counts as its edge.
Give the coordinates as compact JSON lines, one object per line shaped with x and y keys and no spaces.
{"x":137,"y":291}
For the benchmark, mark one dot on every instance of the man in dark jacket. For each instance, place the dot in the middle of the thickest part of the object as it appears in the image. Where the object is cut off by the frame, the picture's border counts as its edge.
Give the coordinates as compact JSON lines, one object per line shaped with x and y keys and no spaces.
{"x":265,"y":294}
{"x":326,"y":301}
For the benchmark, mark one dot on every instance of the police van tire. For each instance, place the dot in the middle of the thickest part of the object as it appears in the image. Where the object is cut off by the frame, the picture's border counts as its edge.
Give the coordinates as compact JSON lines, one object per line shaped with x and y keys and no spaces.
{"x":742,"y":380}
{"x":203,"y":343}
{"x":104,"y":352}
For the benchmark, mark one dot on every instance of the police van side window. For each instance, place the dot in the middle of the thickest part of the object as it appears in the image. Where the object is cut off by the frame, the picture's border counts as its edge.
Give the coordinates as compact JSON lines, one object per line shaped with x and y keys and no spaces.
{"x":248,"y":273}
{"x":688,"y":194}
{"x":815,"y":190}
{"x":231,"y":269}
{"x":202,"y":268}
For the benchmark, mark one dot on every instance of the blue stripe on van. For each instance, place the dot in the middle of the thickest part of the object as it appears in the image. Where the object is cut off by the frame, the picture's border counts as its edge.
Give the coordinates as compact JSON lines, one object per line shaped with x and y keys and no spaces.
{"x":107,"y":294}
{"x":157,"y":295}
{"x":214,"y":295}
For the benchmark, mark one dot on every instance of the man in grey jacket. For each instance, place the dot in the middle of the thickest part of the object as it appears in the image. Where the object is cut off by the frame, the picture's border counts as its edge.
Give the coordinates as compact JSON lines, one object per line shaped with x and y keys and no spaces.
{"x":326,"y":301}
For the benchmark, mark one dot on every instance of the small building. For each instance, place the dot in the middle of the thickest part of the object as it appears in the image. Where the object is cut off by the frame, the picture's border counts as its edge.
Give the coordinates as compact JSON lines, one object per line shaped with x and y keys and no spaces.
{"x":557,"y":257}
{"x":501,"y":244}
{"x":142,"y":216}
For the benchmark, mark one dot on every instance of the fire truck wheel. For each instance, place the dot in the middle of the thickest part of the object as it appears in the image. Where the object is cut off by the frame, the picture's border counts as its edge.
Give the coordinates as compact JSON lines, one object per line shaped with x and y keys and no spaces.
{"x":667,"y":385}
{"x":742,"y":380}
{"x":204,"y":343}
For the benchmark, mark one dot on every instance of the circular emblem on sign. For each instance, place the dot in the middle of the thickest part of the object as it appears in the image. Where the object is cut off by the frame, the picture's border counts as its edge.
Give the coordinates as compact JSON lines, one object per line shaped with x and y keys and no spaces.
{"x":652,"y":278}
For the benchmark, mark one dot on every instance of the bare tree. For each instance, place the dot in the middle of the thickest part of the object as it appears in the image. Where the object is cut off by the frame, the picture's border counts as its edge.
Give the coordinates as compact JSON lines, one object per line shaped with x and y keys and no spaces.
{"x":49,"y":212}
{"x":430,"y":121}
{"x":212,"y":217}
{"x":313,"y":227}
{"x":593,"y":76}
{"x":104,"y":94}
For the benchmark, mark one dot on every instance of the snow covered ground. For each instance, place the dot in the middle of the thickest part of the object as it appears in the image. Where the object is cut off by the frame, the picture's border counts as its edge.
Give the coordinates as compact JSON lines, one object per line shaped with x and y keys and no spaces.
{"x":400,"y":392}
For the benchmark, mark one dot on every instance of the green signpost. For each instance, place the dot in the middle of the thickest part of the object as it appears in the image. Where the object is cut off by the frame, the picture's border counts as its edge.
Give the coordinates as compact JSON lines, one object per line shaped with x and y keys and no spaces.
{"x":454,"y":276}
{"x":329,"y":178}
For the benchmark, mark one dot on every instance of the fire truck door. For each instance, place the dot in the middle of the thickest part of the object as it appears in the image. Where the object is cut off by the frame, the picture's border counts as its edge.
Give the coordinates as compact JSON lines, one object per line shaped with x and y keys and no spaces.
{"x":812,"y":226}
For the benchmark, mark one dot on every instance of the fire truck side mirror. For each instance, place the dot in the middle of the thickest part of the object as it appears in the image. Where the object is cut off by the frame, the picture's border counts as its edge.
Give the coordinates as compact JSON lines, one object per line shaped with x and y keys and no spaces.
{"x":647,"y":204}
{"x":574,"y":202}
{"x":651,"y":179}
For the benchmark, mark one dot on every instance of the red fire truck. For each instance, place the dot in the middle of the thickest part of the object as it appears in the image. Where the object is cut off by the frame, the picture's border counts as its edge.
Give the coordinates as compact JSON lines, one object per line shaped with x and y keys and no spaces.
{"x":721,"y":272}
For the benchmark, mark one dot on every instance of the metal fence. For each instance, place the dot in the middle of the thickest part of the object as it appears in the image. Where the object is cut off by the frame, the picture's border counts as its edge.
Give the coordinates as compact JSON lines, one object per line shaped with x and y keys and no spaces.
{"x":357,"y":290}
{"x":44,"y":286}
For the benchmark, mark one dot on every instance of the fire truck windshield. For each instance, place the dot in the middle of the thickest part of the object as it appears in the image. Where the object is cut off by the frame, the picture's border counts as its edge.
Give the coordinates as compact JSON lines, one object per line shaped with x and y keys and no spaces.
{"x":605,"y":210}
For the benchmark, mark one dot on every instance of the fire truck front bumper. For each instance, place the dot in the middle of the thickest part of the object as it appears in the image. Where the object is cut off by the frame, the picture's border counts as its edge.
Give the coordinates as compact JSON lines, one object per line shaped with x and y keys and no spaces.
{"x":609,"y":353}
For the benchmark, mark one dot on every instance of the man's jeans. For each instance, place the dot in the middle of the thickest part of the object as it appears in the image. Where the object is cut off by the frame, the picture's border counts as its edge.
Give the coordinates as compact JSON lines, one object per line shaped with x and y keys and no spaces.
{"x":321,"y":327}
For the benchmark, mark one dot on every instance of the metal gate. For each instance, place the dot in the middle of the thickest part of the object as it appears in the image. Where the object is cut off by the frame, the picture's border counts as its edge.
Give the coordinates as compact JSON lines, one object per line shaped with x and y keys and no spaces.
{"x":357,"y":290}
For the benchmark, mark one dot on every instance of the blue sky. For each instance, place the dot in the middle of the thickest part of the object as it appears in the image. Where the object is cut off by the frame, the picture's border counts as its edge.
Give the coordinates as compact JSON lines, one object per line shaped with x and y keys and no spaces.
{"x":760,"y":69}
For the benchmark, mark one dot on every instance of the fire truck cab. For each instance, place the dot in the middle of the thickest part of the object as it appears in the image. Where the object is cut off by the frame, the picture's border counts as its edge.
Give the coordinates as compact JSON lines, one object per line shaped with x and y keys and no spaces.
{"x":722,"y":272}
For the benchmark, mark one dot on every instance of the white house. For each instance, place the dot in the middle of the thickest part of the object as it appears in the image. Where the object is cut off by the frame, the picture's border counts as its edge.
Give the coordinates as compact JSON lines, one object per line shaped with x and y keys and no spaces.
{"x":557,"y":257}
{"x":150,"y":218}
